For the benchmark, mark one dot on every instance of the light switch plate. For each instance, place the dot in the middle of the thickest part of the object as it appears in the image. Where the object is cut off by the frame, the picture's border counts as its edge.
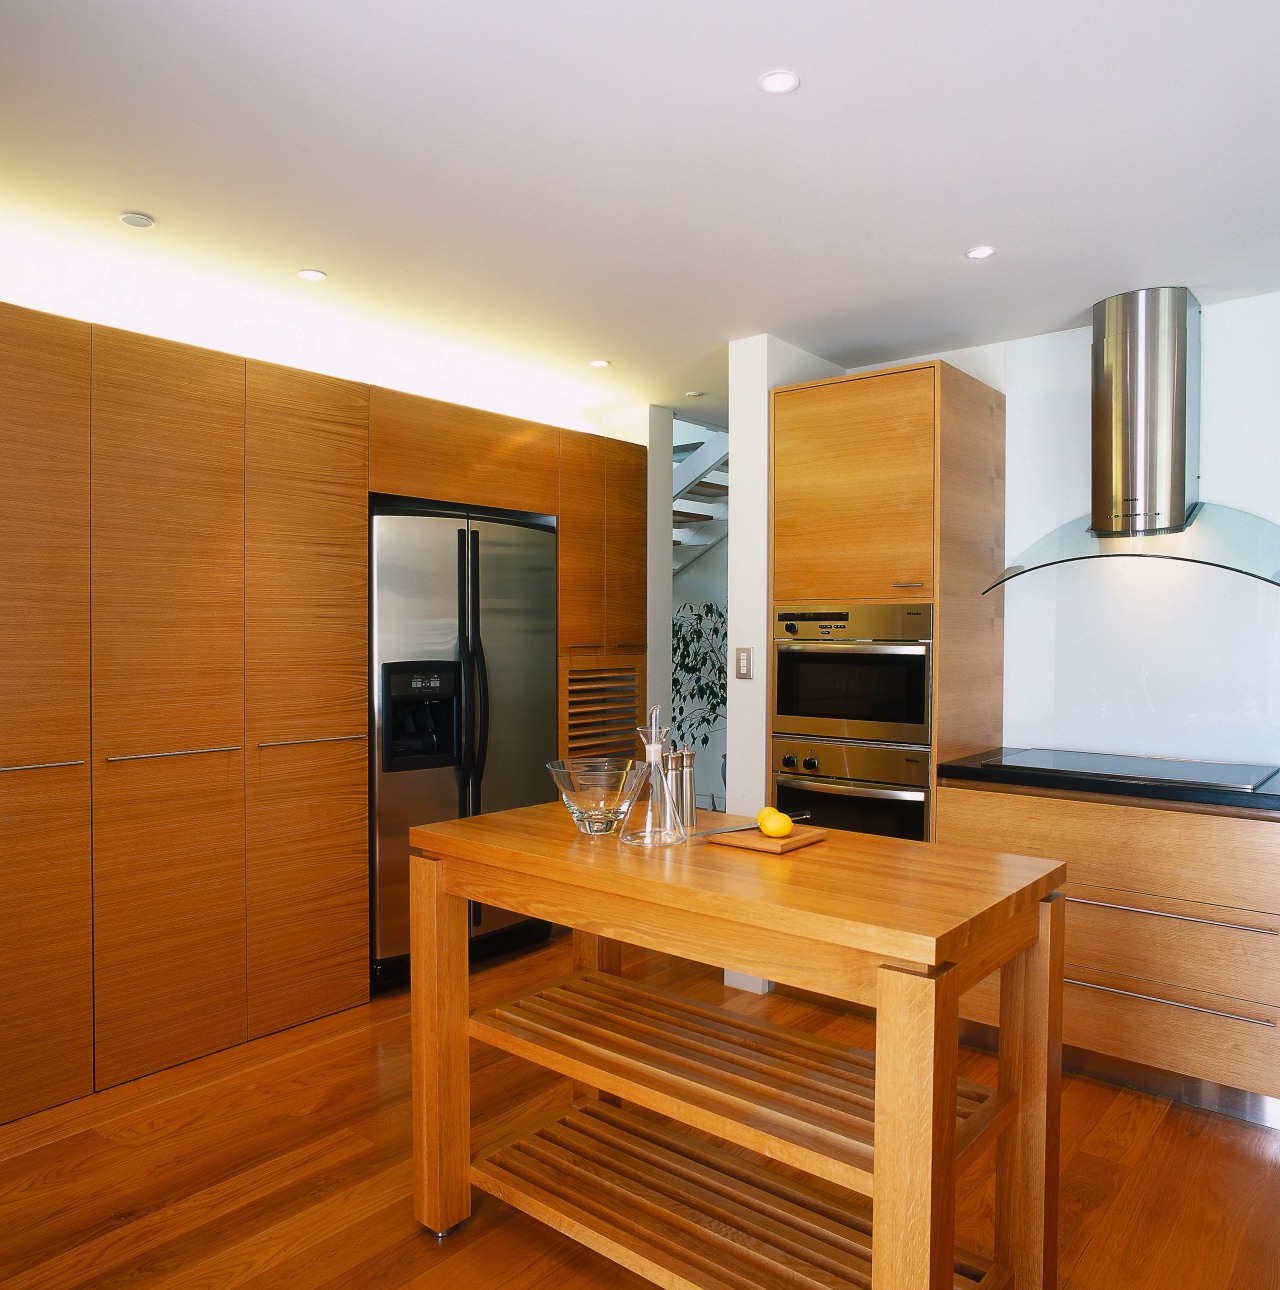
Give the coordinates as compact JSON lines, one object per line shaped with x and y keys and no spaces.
{"x":743,"y":669}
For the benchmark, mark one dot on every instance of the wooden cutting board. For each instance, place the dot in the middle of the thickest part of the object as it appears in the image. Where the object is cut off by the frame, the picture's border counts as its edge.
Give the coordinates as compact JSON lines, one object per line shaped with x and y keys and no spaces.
{"x":753,"y":840}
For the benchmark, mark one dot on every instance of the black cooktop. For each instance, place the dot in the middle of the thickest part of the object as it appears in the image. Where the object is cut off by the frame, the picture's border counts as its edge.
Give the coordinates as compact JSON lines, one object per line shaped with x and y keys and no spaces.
{"x":1236,"y":776}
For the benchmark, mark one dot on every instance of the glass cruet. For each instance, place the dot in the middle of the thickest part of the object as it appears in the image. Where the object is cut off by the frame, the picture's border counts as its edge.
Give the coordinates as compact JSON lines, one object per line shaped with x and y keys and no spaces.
{"x":653,"y":820}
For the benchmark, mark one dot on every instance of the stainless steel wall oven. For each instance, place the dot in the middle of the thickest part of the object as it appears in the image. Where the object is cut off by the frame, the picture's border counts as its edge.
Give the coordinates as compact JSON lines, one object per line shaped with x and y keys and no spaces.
{"x":854,"y":671}
{"x":851,"y":722}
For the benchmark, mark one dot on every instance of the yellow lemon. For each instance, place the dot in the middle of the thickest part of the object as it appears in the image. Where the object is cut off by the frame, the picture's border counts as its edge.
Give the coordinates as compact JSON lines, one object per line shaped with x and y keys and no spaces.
{"x":776,"y":825}
{"x":764,"y":813}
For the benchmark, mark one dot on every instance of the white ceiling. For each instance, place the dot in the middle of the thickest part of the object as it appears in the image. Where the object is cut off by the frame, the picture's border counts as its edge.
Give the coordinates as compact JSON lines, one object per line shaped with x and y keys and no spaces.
{"x":574,"y":179}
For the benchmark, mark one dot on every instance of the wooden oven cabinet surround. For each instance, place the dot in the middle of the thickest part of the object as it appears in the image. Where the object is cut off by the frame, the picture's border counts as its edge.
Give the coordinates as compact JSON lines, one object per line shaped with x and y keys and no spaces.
{"x":888,"y":487}
{"x":1172,"y":925}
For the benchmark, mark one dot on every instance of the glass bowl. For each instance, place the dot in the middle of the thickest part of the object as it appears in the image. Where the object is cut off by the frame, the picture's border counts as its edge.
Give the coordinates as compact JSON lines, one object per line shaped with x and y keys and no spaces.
{"x":597,"y":790}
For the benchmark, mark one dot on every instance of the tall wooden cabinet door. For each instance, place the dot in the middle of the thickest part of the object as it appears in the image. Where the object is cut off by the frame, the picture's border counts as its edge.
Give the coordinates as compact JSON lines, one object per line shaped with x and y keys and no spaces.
{"x":445,"y":452}
{"x":46,"y":963}
{"x":853,"y":488}
{"x":168,"y":911}
{"x":581,"y":541}
{"x":308,"y":843}
{"x":168,"y":702}
{"x":626,"y":546}
{"x":306,"y":694}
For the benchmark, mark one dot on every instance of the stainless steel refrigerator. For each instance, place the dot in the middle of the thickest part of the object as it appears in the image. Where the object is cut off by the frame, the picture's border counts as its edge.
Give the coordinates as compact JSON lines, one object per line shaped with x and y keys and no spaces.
{"x":463,"y":689}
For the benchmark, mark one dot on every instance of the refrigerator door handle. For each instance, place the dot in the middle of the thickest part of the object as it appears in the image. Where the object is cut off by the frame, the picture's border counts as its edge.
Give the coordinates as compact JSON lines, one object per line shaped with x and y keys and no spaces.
{"x":466,"y":669}
{"x":481,"y":676}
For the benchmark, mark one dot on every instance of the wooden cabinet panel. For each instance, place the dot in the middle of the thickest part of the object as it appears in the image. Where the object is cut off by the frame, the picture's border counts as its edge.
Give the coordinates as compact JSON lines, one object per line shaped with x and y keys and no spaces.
{"x":44,"y":538}
{"x":421,"y":447}
{"x":46,"y":964}
{"x":581,"y":542}
{"x":1202,"y":947}
{"x":1170,"y":928}
{"x":1216,"y":859}
{"x":46,"y":968}
{"x":626,"y":546}
{"x":168,"y":546}
{"x":306,"y":555}
{"x":168,"y":911}
{"x":853,"y":488}
{"x":308,"y":881}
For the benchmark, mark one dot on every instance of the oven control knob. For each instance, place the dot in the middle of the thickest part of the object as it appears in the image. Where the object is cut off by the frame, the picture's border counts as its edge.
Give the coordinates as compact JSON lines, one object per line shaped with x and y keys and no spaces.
{"x":791,"y":628}
{"x":789,"y":762}
{"x":811,"y":763}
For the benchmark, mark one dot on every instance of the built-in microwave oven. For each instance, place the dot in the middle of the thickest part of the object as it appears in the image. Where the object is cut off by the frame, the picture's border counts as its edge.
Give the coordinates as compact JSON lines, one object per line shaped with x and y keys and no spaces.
{"x":853,"y":671}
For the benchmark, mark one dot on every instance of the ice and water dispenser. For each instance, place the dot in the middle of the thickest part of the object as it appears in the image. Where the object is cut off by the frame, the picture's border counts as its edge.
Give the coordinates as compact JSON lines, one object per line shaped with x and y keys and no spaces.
{"x":421,"y":715}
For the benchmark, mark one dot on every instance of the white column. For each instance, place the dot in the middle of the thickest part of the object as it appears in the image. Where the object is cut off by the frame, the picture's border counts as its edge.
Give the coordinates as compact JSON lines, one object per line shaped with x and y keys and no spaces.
{"x":756,"y":365}
{"x":658,"y":605}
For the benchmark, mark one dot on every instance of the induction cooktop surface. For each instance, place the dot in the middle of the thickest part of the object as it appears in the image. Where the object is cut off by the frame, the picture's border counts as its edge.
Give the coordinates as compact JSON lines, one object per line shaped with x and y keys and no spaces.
{"x":1241,"y":776}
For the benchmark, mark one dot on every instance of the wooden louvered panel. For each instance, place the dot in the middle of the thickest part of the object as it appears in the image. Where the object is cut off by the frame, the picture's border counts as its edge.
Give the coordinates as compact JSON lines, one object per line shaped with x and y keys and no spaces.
{"x":686,"y":1213}
{"x":800,"y":1099}
{"x":599,"y":709}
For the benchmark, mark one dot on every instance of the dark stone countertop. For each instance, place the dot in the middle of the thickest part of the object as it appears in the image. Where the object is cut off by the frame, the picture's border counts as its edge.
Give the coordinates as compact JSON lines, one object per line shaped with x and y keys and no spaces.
{"x":971,"y":770}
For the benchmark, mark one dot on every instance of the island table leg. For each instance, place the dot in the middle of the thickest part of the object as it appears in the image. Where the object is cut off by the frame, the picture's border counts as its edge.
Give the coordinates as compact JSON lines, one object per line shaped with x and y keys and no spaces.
{"x":441,"y":1098}
{"x":1026,"y":1216}
{"x":917,"y":1042}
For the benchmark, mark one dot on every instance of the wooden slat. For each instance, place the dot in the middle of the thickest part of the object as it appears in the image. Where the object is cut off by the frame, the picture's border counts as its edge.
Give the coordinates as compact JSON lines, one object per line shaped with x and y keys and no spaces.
{"x":600,"y":710}
{"x":796,"y":1097}
{"x":684,"y":1212}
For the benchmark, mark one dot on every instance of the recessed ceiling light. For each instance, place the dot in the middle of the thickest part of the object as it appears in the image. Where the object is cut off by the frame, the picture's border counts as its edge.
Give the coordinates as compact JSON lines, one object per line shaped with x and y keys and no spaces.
{"x":598,"y":362}
{"x":778,"y":82}
{"x":136,"y":219}
{"x":312,"y":275}
{"x":694,"y":394}
{"x":980,"y":252}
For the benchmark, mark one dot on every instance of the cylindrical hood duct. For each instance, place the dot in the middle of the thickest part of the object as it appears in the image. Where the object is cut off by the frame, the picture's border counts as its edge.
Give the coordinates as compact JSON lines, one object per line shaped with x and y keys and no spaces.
{"x":1146,"y":412}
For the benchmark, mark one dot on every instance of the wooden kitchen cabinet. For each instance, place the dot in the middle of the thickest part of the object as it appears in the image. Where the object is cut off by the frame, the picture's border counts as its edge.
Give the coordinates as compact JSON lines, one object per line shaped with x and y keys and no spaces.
{"x":888,"y":487}
{"x":308,"y":881}
{"x":853,"y":487}
{"x":1172,"y":929}
{"x":168,"y":911}
{"x":581,"y":536}
{"x":420,"y":447}
{"x":168,"y":702}
{"x":46,"y":1006}
{"x":306,"y":695}
{"x":602,"y":533}
{"x":626,"y":495}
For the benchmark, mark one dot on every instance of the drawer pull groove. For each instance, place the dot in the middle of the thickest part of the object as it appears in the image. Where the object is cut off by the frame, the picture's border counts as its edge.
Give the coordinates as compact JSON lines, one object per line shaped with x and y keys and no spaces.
{"x":1172,"y":1003}
{"x":1184,"y":918}
{"x":42,"y":765}
{"x":182,"y":752}
{"x":323,"y":739}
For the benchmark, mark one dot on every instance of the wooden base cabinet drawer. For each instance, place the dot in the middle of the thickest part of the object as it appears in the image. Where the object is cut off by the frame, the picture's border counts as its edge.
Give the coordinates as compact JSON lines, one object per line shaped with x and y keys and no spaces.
{"x":1207,"y":1036}
{"x":1221,"y":951}
{"x":1189,"y":1032}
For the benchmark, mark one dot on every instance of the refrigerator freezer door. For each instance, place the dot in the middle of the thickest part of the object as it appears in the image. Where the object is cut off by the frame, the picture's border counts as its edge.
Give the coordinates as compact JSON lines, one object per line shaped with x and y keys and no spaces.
{"x":414,"y":589}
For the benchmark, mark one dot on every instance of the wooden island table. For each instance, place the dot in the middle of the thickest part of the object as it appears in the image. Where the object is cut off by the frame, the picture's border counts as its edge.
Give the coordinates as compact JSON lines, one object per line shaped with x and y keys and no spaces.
{"x":835,"y":1137}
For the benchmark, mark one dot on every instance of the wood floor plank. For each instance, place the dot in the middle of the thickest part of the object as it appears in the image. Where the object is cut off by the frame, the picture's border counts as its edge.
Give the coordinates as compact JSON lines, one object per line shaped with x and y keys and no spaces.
{"x":134,"y":1241}
{"x":284,"y":1165}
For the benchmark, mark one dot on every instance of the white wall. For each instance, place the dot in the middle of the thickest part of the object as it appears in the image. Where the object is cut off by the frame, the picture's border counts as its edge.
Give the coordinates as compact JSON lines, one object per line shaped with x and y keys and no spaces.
{"x":756,"y":365}
{"x":1152,"y":657}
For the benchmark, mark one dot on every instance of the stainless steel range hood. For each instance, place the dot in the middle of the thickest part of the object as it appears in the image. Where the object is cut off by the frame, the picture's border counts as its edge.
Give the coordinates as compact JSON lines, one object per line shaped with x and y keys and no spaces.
{"x":1146,"y":412}
{"x":1146,"y":451}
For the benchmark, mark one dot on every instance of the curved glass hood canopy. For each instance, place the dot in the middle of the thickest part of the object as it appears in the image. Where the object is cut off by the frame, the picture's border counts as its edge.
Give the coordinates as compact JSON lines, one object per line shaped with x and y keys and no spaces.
{"x":1216,"y":535}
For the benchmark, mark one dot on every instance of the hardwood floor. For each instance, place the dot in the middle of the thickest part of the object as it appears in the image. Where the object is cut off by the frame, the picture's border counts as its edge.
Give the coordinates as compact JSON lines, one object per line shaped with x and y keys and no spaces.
{"x":285,"y":1163}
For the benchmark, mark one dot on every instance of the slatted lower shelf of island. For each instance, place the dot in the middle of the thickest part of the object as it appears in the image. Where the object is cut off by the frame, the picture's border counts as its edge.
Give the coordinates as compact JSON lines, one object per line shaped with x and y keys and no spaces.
{"x":709,"y":1149}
